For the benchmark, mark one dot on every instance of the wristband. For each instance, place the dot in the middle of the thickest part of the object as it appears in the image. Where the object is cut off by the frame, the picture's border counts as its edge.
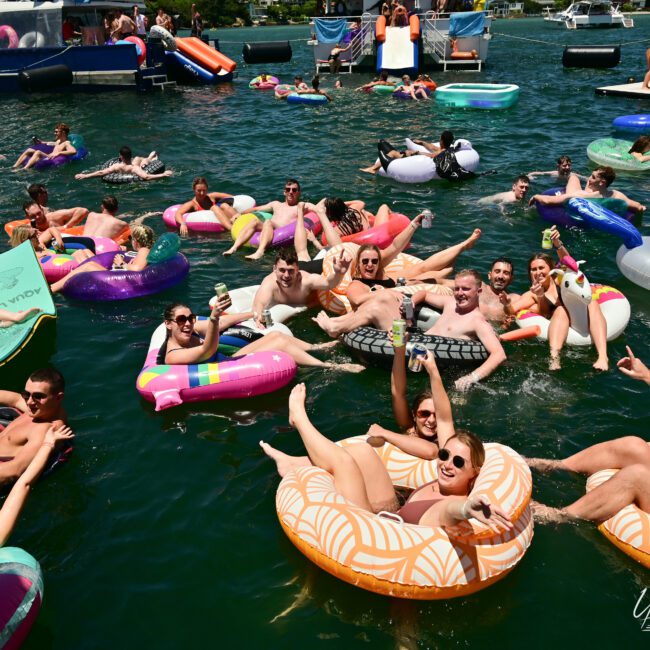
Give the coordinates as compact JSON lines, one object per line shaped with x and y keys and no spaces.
{"x":475,"y":377}
{"x":463,"y":511}
{"x":214,"y":319}
{"x":414,"y":225}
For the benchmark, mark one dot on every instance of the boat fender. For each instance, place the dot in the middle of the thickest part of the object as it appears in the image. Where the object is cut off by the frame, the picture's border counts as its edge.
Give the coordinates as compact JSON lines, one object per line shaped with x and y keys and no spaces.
{"x":8,"y":32}
{"x":32,"y":39}
{"x":591,"y":56}
{"x":267,"y":52}
{"x":47,"y":78}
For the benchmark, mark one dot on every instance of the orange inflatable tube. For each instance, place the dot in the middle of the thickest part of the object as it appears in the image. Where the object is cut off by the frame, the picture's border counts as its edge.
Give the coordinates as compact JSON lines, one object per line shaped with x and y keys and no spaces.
{"x":121,"y":238}
{"x":209,"y":58}
{"x":380,"y":29}
{"x":414,"y":26}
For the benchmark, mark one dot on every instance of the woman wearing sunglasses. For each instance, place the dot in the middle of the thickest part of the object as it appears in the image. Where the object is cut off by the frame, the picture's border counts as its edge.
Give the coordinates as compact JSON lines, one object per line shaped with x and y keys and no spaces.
{"x":192,"y":341}
{"x":361,"y":478}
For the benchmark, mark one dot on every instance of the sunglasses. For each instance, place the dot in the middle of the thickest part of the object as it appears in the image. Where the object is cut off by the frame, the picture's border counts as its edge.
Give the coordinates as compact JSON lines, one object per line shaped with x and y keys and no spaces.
{"x":458,"y":461}
{"x":181,"y":319}
{"x":291,"y":190}
{"x":37,"y":397}
{"x":424,"y":413}
{"x":368,"y":261}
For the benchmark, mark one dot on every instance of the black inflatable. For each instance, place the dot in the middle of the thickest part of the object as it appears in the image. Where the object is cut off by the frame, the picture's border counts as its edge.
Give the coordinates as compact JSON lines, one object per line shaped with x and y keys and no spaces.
{"x":267,"y":52}
{"x":591,"y":56}
{"x":119,"y":178}
{"x":374,"y":347}
{"x":53,"y":76}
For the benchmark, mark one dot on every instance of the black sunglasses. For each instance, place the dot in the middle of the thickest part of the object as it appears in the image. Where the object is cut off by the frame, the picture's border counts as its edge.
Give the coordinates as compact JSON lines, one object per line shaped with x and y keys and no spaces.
{"x":424,"y":413}
{"x":458,"y":461}
{"x":37,"y":397}
{"x":291,"y":189}
{"x":181,"y":319}
{"x":368,"y":260}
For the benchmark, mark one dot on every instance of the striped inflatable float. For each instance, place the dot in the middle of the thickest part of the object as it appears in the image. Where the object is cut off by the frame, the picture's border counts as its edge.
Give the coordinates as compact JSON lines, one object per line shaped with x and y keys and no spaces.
{"x":629,"y":528}
{"x":21,"y":594}
{"x":403,"y":560}
{"x":335,"y":299}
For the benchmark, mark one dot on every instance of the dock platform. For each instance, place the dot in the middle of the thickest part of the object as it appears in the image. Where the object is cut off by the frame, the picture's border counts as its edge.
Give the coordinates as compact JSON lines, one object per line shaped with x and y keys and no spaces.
{"x":635,"y":90}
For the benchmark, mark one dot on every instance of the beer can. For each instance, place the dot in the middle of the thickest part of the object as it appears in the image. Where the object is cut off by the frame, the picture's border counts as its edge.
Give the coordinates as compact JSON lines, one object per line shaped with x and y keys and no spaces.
{"x":418,"y":352}
{"x":547,"y":242}
{"x":407,"y":308}
{"x":267,"y":318}
{"x":427,"y":220}
{"x":220,"y":289}
{"x":399,"y":333}
{"x":401,"y":282}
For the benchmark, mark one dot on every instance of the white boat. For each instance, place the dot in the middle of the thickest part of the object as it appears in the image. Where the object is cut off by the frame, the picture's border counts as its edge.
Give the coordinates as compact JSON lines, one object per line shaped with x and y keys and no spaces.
{"x":588,"y":13}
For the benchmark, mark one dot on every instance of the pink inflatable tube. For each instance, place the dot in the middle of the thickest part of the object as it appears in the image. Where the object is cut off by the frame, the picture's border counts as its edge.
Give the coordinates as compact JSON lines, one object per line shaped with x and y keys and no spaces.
{"x":8,"y":32}
{"x":284,"y":236}
{"x":381,"y":236}
{"x":253,"y":374}
{"x":58,"y":265}
{"x":206,"y":220}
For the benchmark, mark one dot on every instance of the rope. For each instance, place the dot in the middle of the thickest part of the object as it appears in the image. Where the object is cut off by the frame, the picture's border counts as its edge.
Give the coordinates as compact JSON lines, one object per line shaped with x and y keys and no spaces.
{"x":39,"y":62}
{"x":534,"y":40}
{"x":291,"y":40}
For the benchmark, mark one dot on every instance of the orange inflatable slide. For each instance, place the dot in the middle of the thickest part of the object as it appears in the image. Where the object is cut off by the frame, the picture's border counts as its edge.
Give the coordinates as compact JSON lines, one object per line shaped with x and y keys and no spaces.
{"x":204,"y":55}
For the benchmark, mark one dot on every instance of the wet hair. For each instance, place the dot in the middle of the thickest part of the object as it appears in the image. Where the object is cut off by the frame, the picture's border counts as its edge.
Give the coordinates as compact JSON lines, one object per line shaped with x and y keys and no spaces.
{"x":470,"y":272}
{"x":522,"y":178}
{"x":51,"y":376}
{"x":315,"y":82}
{"x":606,"y":173}
{"x":383,"y":75}
{"x":293,"y":181}
{"x":641,"y":145}
{"x":126,"y":154}
{"x":36,"y":189}
{"x":20,"y":234}
{"x":563,"y":159}
{"x":199,"y":180}
{"x":298,"y":78}
{"x":64,"y":127}
{"x":28,"y":204}
{"x":360,"y":252}
{"x":503,"y":260}
{"x":348,"y":220}
{"x":287,"y":255}
{"x":476,"y":448}
{"x":446,"y":139}
{"x":143,"y":235}
{"x":541,"y":256}
{"x":109,"y":202}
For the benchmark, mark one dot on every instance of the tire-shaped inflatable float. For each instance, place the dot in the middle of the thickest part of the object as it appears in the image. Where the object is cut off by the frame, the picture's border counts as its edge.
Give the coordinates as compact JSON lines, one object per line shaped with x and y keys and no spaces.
{"x":381,"y":89}
{"x":59,"y":263}
{"x":381,"y":235}
{"x":629,"y":528}
{"x":167,"y":38}
{"x":281,"y":236}
{"x":421,"y":169}
{"x":170,"y":385}
{"x":8,"y":33}
{"x":335,"y":300}
{"x":281,"y":91}
{"x":120,"y":178}
{"x":206,"y":220}
{"x":402,"y":94}
{"x":306,"y":98}
{"x":77,"y":142}
{"x":638,"y":124}
{"x":257,"y":84}
{"x":21,"y":595}
{"x":32,"y":39}
{"x":614,"y":153}
{"x":615,"y":308}
{"x":404,"y":560}
{"x":375,"y":348}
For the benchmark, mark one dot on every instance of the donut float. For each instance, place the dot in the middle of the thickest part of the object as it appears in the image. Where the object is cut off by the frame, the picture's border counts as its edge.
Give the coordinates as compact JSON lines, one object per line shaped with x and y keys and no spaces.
{"x":281,"y":236}
{"x":270,"y":83}
{"x":381,"y":235}
{"x":206,"y":220}
{"x":614,"y":153}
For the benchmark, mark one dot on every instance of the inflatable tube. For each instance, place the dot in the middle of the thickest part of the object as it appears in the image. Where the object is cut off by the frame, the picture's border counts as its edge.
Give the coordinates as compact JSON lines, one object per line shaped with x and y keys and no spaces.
{"x":639,"y":124}
{"x":247,"y":376}
{"x":629,"y":528}
{"x":634,"y":263}
{"x":242,"y":301}
{"x":421,"y":169}
{"x":615,"y":308}
{"x":123,"y":284}
{"x":121,"y":238}
{"x":32,"y":39}
{"x":487,"y":96}
{"x":59,"y":263}
{"x":281,"y":91}
{"x":206,"y":220}
{"x":380,"y":29}
{"x":47,"y":78}
{"x":141,"y":48}
{"x":381,"y":89}
{"x":46,"y":163}
{"x":267,"y":52}
{"x":281,"y":236}
{"x":591,"y":56}
{"x":375,"y":348}
{"x":208,"y":58}
{"x":391,"y":558}
{"x":257,"y":84}
{"x":167,"y":38}
{"x":120,"y":178}
{"x":381,"y":235}
{"x":612,"y":152}
{"x":306,"y":98}
{"x":560,"y":216}
{"x":402,"y":94}
{"x":9,"y":33}
{"x":21,"y":595}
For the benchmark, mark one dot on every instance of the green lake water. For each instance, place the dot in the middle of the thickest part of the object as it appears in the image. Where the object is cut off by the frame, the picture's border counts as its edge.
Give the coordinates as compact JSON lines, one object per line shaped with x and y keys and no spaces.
{"x":161,"y":532}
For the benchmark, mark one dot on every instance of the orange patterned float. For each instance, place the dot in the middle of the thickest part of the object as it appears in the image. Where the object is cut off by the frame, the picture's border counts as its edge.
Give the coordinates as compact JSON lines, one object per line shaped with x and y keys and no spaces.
{"x":121,"y":238}
{"x":404,"y":560}
{"x":629,"y":528}
{"x":335,"y":300}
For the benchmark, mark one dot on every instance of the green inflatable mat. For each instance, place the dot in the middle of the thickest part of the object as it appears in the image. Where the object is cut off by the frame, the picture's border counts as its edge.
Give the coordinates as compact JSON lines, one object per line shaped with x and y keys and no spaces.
{"x":22,"y":286}
{"x":614,"y":153}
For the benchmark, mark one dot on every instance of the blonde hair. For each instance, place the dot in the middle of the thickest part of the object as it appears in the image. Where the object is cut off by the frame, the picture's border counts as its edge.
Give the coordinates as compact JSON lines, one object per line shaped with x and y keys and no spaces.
{"x":20,"y":234}
{"x":476,"y":448}
{"x":143,"y":235}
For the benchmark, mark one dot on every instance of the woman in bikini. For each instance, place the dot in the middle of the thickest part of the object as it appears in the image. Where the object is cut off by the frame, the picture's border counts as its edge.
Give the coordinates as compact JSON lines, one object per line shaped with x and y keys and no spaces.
{"x":217,"y":202}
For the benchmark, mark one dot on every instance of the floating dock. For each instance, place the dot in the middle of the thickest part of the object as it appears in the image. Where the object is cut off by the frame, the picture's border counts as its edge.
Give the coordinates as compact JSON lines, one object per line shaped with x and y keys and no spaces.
{"x":635,"y":90}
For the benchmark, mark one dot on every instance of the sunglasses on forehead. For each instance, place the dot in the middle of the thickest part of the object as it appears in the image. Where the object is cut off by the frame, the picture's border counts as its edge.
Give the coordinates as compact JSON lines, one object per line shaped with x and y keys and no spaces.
{"x":181,"y":319}
{"x":37,"y":397}
{"x":458,"y":461}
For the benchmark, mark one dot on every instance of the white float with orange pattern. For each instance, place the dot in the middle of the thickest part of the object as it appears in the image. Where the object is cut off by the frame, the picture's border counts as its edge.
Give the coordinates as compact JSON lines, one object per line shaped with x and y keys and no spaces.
{"x":629,"y":528}
{"x":382,"y":555}
{"x":335,"y":300}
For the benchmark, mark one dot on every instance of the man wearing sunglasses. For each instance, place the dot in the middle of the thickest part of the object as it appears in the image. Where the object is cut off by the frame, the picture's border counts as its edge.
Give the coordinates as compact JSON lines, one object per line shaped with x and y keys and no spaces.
{"x":284,"y":213}
{"x":41,"y":407}
{"x":288,"y":285}
{"x":63,"y":218}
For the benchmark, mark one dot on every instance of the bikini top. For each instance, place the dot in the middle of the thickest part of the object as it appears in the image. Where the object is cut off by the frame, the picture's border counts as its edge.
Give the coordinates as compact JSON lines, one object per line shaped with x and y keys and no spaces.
{"x":162,"y":353}
{"x":412,"y":511}
{"x":387,"y":283}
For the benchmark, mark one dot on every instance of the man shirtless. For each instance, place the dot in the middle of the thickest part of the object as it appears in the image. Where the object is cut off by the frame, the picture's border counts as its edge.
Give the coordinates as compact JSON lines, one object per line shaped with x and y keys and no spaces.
{"x":105,"y":223}
{"x":494,"y":296}
{"x":462,"y":319}
{"x":597,"y":187}
{"x":60,"y":147}
{"x":128,"y":164}
{"x":284,"y":213}
{"x":41,"y":406}
{"x":516,"y":193}
{"x":288,"y":285}
{"x":63,"y":218}
{"x":124,"y":26}
{"x":562,"y":172}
